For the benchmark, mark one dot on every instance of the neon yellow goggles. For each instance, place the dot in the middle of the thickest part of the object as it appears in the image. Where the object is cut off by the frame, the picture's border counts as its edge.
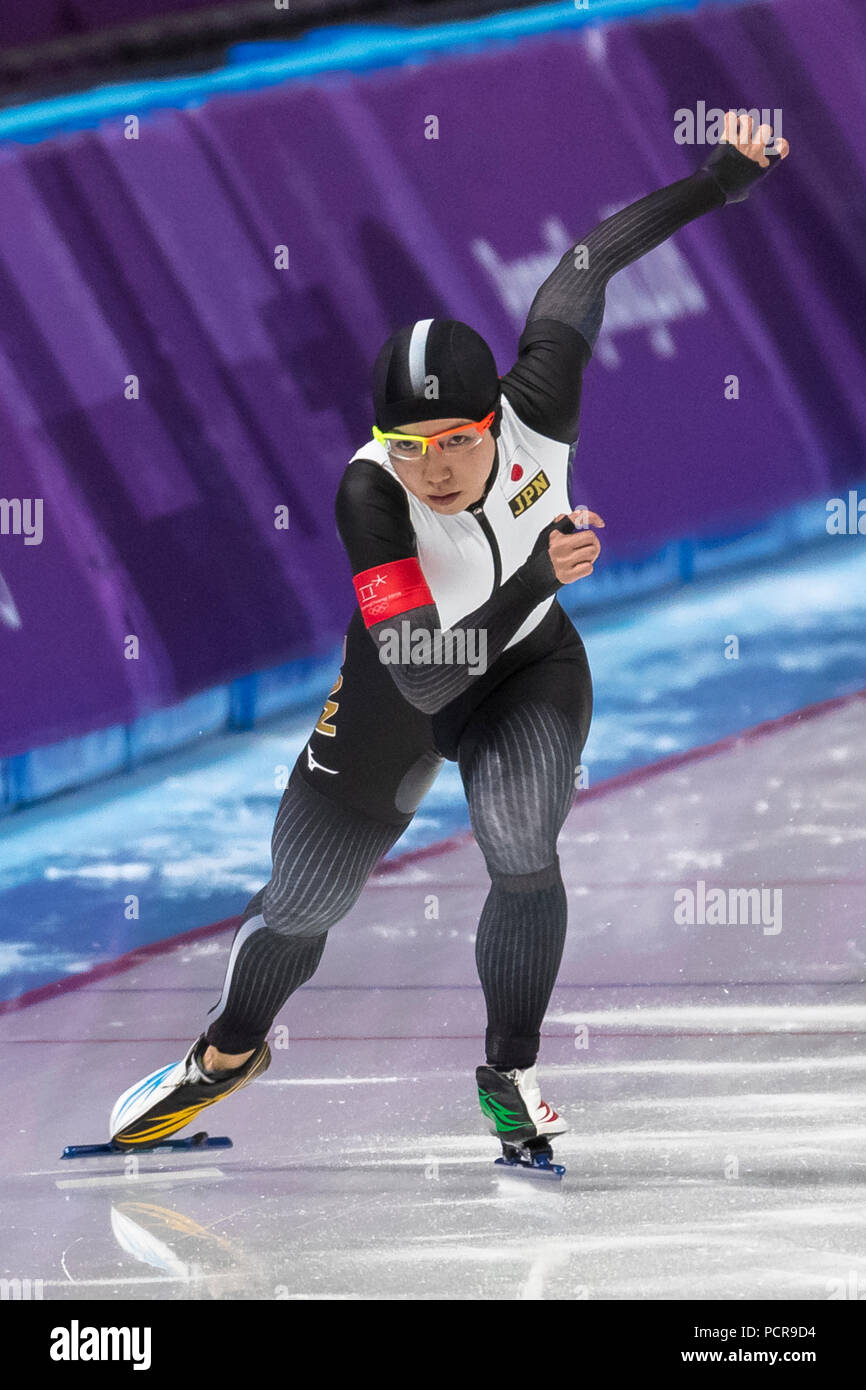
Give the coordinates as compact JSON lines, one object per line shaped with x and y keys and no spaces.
{"x":458,"y":440}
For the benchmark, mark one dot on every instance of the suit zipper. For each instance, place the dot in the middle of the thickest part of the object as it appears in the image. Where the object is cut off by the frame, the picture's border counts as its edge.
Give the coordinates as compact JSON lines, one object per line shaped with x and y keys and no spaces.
{"x":484,"y":523}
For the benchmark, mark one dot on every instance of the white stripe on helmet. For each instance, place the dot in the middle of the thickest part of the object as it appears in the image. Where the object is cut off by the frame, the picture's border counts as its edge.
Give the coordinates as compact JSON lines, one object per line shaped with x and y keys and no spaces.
{"x":417,"y":354}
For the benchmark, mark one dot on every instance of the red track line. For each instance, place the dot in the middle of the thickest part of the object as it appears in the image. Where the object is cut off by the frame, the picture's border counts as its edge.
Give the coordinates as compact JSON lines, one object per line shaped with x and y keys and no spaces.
{"x":623,"y":779}
{"x":113,"y":967}
{"x":650,"y":770}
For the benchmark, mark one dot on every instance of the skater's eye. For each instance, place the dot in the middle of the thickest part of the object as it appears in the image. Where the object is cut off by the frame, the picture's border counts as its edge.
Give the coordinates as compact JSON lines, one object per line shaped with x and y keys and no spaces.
{"x":406,"y":448}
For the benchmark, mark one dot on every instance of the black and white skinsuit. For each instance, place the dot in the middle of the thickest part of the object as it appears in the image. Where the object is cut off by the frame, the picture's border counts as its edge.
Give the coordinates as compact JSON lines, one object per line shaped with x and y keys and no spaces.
{"x":517,"y":730}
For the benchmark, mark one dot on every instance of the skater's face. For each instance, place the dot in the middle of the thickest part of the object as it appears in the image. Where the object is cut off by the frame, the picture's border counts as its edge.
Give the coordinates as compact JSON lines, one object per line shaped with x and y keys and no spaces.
{"x":447,"y":479}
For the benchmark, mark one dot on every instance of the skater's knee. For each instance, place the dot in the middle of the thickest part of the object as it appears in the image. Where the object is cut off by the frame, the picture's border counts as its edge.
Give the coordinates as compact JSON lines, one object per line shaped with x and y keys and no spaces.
{"x":291,"y":912}
{"x":515,"y":846}
{"x":528,"y":881}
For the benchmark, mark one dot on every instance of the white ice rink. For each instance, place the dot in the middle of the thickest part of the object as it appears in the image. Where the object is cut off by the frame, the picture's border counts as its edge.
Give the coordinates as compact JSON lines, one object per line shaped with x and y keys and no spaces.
{"x":713,"y":1077}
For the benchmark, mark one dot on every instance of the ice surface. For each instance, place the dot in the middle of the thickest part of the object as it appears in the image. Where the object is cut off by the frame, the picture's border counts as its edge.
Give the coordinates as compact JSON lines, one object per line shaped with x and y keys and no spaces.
{"x":713,"y":1077}
{"x":190,"y":836}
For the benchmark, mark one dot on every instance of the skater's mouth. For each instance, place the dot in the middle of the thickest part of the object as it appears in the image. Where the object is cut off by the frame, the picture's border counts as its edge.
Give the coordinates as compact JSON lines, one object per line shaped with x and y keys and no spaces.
{"x":443,"y":497}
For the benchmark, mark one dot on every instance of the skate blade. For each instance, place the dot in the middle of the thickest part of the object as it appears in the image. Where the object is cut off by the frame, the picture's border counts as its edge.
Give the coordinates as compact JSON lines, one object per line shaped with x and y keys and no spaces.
{"x":194,"y":1142}
{"x":537,"y":1167}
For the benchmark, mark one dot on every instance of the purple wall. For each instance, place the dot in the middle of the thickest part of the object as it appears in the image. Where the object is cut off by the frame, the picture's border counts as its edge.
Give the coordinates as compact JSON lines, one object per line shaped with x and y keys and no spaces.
{"x":155,"y":257}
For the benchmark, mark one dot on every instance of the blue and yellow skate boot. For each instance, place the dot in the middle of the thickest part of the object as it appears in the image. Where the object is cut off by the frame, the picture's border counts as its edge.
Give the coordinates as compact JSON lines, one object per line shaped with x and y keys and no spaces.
{"x":168,"y":1099}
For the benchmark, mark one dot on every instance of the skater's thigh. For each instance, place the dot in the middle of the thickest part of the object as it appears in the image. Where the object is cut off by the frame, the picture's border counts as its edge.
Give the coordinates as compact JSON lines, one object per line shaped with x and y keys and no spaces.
{"x":370,"y":750}
{"x":354,"y":789}
{"x":518,"y":758}
{"x":545,"y":707}
{"x":323,"y":853}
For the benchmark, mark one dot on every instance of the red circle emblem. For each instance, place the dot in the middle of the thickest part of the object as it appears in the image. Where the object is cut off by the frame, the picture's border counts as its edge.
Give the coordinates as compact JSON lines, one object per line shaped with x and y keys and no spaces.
{"x":516,"y":473}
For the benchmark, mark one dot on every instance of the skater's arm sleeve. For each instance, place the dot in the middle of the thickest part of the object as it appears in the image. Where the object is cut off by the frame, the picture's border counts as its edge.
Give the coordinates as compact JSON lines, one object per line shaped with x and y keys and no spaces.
{"x":375,"y":527}
{"x":565,"y":317}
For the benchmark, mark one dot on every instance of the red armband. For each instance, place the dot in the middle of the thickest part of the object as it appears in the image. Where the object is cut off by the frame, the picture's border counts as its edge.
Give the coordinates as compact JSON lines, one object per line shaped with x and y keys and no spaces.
{"x":386,"y":591}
